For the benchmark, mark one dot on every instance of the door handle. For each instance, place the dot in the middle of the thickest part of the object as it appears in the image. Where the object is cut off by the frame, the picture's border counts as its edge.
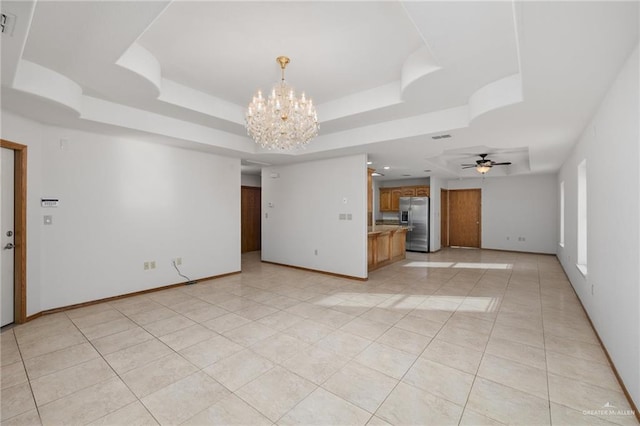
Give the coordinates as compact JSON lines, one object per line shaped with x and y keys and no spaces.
{"x":9,"y":246}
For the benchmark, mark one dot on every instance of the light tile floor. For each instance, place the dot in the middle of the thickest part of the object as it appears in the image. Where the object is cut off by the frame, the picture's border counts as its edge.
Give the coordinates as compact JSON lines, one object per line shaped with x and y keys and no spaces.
{"x":466,"y":337}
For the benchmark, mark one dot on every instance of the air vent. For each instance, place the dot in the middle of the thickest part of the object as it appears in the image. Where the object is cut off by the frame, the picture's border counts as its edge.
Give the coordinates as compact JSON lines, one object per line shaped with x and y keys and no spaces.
{"x":440,"y":137}
{"x":406,"y":175}
{"x":7,"y":22}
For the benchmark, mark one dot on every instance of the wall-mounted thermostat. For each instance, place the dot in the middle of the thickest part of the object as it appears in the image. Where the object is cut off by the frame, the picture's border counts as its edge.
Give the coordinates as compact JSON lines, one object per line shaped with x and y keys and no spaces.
{"x":49,"y":202}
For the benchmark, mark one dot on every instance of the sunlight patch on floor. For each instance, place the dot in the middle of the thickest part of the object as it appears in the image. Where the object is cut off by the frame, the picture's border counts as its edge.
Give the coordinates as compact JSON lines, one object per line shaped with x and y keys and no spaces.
{"x":462,"y":265}
{"x":432,"y":303}
{"x":429,"y":264}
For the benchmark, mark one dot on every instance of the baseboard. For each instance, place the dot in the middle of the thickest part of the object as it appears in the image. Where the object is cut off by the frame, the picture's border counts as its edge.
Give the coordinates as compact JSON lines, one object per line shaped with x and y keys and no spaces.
{"x":333,"y":274}
{"x":518,"y":251}
{"x":604,"y":348}
{"x":124,"y":296}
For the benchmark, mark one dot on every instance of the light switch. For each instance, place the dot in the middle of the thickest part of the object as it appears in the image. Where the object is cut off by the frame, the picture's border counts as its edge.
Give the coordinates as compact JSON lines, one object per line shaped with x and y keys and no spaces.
{"x":48,"y":219}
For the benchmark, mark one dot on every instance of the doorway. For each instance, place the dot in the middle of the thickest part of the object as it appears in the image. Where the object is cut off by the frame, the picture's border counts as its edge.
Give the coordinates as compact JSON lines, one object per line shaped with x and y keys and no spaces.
{"x":464,"y":217}
{"x":251,"y":221}
{"x":14,"y":232}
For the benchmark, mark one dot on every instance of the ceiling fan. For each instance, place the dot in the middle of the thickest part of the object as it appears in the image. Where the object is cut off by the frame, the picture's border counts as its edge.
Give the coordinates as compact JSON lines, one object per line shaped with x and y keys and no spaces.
{"x":484,"y":164}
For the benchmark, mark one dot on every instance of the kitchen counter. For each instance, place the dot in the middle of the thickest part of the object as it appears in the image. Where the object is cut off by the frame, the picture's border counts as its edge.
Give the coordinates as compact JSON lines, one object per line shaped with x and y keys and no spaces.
{"x":384,"y":228}
{"x":385,"y":245}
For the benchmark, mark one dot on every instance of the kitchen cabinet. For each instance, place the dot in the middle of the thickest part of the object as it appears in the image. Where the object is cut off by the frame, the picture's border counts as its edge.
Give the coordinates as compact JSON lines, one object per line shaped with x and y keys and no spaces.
{"x":396,"y":193}
{"x":422,"y":191}
{"x":385,"y":199}
{"x":385,"y":245}
{"x":369,"y":196}
{"x":390,"y":197}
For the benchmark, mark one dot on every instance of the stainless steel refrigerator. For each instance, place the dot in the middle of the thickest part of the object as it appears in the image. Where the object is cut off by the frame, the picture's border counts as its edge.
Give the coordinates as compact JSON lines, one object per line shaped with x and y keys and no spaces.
{"x":414,"y":214}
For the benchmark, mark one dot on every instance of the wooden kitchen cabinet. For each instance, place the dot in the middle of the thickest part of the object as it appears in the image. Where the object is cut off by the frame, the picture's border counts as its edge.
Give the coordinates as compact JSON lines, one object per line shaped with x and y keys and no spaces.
{"x":396,"y":193}
{"x":422,"y":191}
{"x":408,"y":191}
{"x":390,"y":197}
{"x":369,"y":196}
{"x":385,"y":199}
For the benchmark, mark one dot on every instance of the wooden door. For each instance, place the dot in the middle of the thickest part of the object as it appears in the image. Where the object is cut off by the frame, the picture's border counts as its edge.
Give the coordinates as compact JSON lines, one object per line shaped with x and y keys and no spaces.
{"x":6,"y":237}
{"x":444,"y":218}
{"x":251,"y":218}
{"x":464,"y":217}
{"x":19,"y":229}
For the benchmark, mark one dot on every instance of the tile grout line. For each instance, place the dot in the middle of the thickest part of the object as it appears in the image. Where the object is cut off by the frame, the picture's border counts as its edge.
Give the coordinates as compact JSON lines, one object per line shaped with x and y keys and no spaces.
{"x":544,"y":346}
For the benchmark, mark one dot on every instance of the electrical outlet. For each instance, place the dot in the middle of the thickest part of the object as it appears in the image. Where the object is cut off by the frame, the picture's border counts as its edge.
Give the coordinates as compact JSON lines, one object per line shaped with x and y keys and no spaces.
{"x":146,"y":266}
{"x":315,"y":252}
{"x":152,"y":264}
{"x":592,"y":289}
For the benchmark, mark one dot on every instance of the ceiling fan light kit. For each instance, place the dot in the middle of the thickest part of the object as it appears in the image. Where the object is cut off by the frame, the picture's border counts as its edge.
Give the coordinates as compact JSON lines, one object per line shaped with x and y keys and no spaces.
{"x":283,"y":121}
{"x":483,"y":169}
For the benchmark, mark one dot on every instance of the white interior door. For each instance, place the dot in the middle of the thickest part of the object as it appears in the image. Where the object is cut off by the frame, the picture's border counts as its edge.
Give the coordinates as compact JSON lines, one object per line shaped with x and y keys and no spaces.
{"x":7,"y":235}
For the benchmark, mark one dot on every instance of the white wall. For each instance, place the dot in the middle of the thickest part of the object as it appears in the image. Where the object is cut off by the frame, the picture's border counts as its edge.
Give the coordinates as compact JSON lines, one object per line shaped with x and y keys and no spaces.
{"x":250,"y":180}
{"x":306,"y":200}
{"x":122,"y":202}
{"x":517,"y":206}
{"x":434,"y":214}
{"x":610,"y":291}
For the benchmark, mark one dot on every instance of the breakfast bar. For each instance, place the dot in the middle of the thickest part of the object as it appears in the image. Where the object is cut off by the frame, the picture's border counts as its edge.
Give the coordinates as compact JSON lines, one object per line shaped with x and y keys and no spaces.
{"x":386,"y":245}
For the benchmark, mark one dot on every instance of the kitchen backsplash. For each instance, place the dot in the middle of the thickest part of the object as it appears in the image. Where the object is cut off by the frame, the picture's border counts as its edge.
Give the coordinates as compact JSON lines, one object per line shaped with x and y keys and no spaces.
{"x":389,"y":216}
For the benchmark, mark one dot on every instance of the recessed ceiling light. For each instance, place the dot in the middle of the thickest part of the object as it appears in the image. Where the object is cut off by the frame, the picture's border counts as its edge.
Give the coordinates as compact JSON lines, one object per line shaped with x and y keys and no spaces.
{"x":386,"y":167}
{"x":369,"y":162}
{"x":376,"y":174}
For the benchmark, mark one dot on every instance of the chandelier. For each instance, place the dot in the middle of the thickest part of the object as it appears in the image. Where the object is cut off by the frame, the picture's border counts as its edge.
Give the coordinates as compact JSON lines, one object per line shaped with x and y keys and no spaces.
{"x":282,"y":121}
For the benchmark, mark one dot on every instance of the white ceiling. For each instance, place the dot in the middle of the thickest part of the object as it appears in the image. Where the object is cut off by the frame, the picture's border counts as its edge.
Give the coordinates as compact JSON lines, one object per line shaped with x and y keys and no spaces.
{"x":518,"y":80}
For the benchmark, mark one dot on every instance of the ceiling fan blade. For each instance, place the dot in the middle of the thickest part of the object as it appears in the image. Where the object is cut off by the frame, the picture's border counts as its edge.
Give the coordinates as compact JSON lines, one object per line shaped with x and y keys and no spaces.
{"x":469,"y":166}
{"x":501,"y":164}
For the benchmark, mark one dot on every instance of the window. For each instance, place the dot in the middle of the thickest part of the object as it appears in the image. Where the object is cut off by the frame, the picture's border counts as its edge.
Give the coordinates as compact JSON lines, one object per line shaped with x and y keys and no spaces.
{"x":582,"y":217}
{"x":562,"y":214}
